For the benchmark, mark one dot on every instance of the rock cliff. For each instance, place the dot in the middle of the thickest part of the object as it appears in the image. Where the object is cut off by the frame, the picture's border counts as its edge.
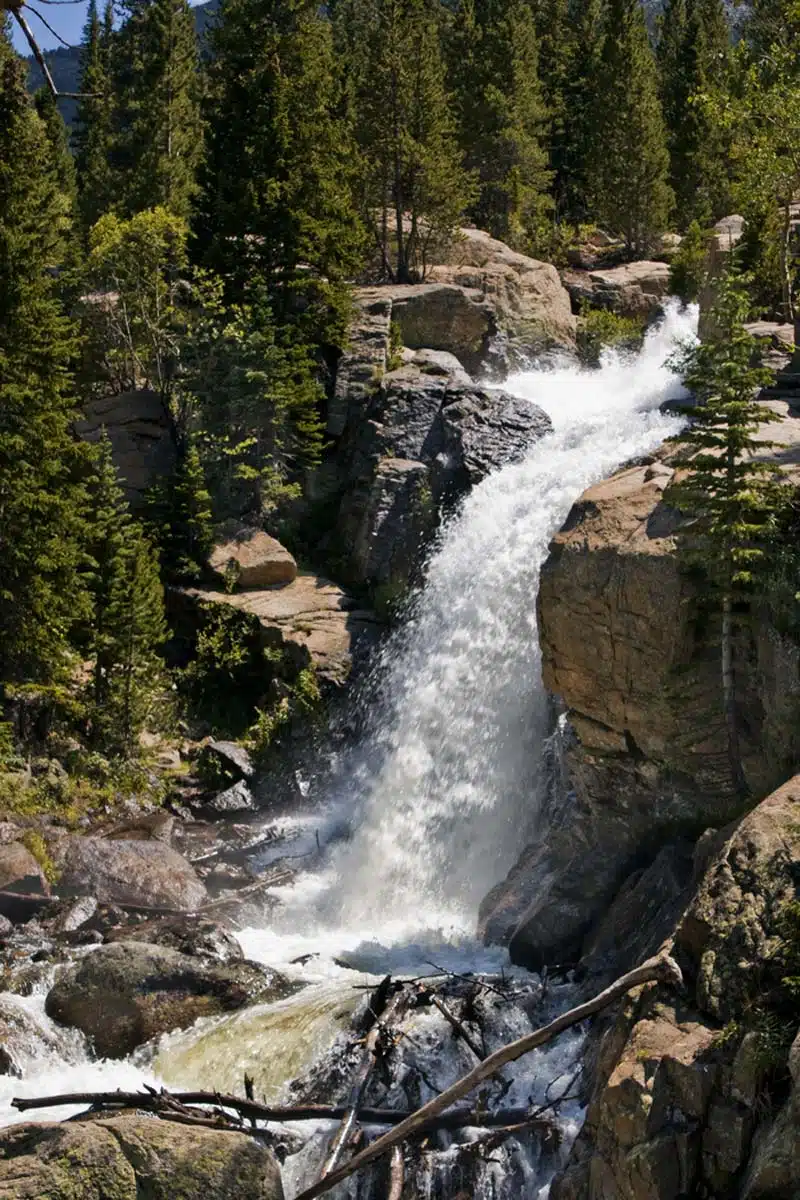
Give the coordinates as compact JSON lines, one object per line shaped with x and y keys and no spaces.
{"x":623,"y":646}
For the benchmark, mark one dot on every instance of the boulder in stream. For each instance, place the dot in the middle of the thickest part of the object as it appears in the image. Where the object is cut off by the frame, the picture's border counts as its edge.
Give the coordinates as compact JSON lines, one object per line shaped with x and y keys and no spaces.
{"x":132,"y":1157}
{"x":146,"y":874}
{"x":124,"y":994}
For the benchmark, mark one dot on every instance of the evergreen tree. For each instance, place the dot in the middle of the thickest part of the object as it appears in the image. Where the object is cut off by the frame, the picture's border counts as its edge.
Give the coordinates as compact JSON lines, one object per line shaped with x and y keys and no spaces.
{"x":588,"y":21}
{"x":693,"y":54}
{"x":493,"y":56}
{"x":92,"y":133}
{"x":135,"y":631}
{"x":557,"y":47}
{"x":181,"y":518}
{"x":413,"y":188}
{"x":158,"y":136}
{"x":41,"y":592}
{"x":277,"y":198}
{"x":630,"y":157}
{"x":772,"y":23}
{"x":728,"y":492}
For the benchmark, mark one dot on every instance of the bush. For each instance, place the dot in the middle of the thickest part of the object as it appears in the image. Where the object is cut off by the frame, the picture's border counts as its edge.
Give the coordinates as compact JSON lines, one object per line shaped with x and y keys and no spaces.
{"x":599,"y":329}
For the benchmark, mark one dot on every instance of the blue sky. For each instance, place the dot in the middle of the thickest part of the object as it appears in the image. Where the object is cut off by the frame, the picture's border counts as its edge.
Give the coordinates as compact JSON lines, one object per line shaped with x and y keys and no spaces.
{"x":66,"y":19}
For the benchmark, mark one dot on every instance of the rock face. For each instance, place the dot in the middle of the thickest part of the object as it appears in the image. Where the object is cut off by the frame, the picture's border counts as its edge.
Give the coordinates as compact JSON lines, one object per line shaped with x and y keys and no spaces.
{"x":636,"y":289}
{"x":646,"y":756}
{"x":256,"y":559}
{"x":133,"y":1158}
{"x":126,"y":993}
{"x":677,"y":1109}
{"x":19,"y":870}
{"x":139,"y":873}
{"x":141,"y":440}
{"x":426,"y":434}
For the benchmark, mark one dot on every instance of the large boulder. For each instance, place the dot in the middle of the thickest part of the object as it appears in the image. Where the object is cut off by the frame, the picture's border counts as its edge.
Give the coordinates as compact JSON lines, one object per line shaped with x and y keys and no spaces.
{"x":142,"y":874}
{"x":139,"y":430}
{"x":19,"y":870}
{"x":255,"y":559}
{"x":636,"y":289}
{"x":133,"y":1158}
{"x":124,"y":994}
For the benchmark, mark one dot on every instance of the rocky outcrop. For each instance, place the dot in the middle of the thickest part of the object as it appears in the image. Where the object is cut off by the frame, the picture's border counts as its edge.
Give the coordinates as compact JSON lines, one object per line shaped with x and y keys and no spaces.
{"x":133,"y":1158}
{"x":139,"y":431}
{"x":312,"y":620}
{"x":636,"y":289}
{"x":124,"y":994}
{"x":19,"y":870}
{"x":646,"y":753}
{"x":689,"y":1095}
{"x":253,"y":559}
{"x":426,"y":435}
{"x":147,"y":874}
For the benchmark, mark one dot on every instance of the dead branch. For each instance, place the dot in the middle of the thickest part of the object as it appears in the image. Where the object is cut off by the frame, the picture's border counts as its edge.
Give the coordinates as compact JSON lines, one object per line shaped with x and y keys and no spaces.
{"x":663,"y":969}
{"x":458,"y":1026}
{"x":372,"y":1051}
{"x":396,"y":1175}
{"x":15,"y":8}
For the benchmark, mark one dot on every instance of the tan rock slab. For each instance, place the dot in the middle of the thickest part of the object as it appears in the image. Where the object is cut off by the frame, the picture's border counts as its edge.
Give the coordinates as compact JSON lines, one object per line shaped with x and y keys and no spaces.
{"x":259,"y":560}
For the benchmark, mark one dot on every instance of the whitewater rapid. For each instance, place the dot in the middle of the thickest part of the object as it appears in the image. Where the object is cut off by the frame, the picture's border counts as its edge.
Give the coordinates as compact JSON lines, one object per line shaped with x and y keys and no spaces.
{"x":446,"y":787}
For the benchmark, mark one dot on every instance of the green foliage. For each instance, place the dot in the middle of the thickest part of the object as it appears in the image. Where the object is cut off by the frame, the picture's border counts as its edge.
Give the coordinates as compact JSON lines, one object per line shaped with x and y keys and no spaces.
{"x":395,"y":359}
{"x":412,"y":189}
{"x":92,"y":132}
{"x":230,"y":672}
{"x":180,"y":518}
{"x":689,"y":266}
{"x":276,"y":202}
{"x":693,"y":53}
{"x":157,"y":130}
{"x":501,"y":116}
{"x":301,"y":702}
{"x":137,"y":264}
{"x":41,"y":593}
{"x":631,"y":196}
{"x":599,"y":329}
{"x":574,"y":181}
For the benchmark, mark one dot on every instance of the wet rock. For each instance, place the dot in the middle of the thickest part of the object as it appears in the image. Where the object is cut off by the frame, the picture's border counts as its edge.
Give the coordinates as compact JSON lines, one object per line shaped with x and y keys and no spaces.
{"x":5,"y":926}
{"x":20,"y":872}
{"x":72,"y":915}
{"x":235,"y":799}
{"x":198,"y":937}
{"x":137,"y":873}
{"x":124,"y":994}
{"x":133,"y":1157}
{"x":22,"y":1040}
{"x":257,"y":560}
{"x":484,"y":430}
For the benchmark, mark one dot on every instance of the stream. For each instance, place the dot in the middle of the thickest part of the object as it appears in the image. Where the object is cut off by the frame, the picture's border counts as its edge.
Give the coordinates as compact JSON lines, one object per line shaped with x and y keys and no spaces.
{"x":447,"y":782}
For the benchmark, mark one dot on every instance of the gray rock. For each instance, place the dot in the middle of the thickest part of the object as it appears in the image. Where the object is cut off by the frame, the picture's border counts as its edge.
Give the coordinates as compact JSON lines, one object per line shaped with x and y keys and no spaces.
{"x":20,"y":872}
{"x":73,"y":915}
{"x":237,"y":798}
{"x":124,"y":994}
{"x":133,"y":1157}
{"x":139,"y":430}
{"x":145,"y":874}
{"x":232,"y":758}
{"x":483,"y":430}
{"x":198,"y":937}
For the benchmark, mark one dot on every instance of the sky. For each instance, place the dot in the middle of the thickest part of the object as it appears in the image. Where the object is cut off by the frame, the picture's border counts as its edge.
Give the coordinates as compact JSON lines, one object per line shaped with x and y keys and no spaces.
{"x":67,"y":20}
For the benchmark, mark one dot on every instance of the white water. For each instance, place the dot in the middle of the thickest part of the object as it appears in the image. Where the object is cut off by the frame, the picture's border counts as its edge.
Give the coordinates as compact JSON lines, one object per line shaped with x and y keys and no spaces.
{"x":446,"y":790}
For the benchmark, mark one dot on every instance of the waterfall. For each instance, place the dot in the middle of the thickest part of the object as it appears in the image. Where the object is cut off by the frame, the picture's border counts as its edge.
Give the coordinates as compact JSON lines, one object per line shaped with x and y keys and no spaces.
{"x":450,"y":786}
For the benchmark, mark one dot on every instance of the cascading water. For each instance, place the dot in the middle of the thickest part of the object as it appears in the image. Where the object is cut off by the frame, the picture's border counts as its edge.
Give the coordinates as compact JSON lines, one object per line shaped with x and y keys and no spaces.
{"x":446,"y":787}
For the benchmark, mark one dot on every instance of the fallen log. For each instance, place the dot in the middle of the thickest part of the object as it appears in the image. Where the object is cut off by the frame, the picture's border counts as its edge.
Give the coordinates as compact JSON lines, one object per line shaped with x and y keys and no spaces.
{"x":396,"y":1175}
{"x":164,"y":1102}
{"x":662,"y":968}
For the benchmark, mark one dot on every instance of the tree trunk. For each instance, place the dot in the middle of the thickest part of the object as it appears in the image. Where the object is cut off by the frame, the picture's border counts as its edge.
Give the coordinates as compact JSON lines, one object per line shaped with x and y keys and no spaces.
{"x":729,"y":698}
{"x":786,"y":261}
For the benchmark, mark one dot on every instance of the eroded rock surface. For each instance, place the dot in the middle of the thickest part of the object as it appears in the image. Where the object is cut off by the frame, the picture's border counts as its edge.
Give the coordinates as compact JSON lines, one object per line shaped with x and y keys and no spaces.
{"x":138,"y":428}
{"x":133,"y":1157}
{"x":147,"y":874}
{"x":636,"y":289}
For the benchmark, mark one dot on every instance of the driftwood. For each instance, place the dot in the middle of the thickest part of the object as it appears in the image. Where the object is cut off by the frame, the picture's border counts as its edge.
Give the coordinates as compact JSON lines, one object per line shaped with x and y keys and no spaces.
{"x":396,"y":1175}
{"x":372,"y":1050}
{"x":661,"y":968}
{"x":458,"y":1027}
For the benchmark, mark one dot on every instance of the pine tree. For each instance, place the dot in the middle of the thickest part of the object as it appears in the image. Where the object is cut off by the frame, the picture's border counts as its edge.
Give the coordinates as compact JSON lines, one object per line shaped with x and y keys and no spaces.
{"x":136,"y":630}
{"x":729,"y":493}
{"x":580,"y":123}
{"x":413,"y":188}
{"x":158,"y":134}
{"x":181,"y":518}
{"x":41,"y":505}
{"x":277,"y":182}
{"x":493,"y":55}
{"x":557,"y":47}
{"x":630,"y":157}
{"x":693,"y":54}
{"x":92,"y":133}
